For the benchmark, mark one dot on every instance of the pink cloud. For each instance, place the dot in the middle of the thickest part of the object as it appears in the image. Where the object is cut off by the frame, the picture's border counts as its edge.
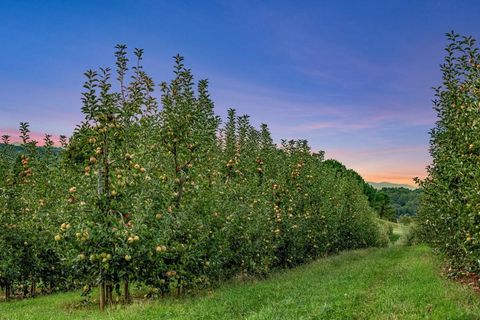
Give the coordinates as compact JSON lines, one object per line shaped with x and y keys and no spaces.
{"x":372,"y":152}
{"x":39,"y":137}
{"x":395,"y":164}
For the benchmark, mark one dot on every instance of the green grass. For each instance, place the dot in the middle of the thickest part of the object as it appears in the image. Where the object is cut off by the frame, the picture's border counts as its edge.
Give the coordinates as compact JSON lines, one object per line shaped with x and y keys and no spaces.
{"x":388,"y":283}
{"x":400,"y":231}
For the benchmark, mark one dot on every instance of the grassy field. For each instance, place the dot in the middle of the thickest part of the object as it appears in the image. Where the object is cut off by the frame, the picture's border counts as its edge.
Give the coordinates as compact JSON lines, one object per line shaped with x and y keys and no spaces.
{"x":390,"y":283}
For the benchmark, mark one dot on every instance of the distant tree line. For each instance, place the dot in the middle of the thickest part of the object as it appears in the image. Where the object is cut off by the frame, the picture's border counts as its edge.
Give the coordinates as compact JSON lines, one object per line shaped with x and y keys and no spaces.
{"x":404,"y":202}
{"x":389,"y":203}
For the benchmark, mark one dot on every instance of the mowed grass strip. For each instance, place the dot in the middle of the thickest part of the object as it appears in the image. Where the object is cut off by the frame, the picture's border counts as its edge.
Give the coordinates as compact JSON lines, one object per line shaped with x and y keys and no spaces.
{"x":388,"y":283}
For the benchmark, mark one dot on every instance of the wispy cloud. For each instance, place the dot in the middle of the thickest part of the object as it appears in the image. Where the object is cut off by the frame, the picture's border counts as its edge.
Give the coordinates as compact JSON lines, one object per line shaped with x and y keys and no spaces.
{"x":304,"y":114}
{"x":351,"y":123}
{"x":263,"y":99}
{"x":373,"y":152}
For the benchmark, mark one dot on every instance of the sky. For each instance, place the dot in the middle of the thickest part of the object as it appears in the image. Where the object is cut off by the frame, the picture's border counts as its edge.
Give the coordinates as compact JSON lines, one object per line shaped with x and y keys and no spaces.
{"x":354,"y":78}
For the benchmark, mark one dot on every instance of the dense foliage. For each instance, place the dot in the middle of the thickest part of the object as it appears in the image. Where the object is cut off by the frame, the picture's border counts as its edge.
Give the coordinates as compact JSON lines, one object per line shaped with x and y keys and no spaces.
{"x":379,"y":200}
{"x":156,"y":192}
{"x":404,"y":201}
{"x":449,"y":214}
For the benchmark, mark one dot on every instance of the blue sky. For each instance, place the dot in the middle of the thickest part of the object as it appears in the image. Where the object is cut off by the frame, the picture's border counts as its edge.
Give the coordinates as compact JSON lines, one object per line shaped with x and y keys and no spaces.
{"x":352,"y":77}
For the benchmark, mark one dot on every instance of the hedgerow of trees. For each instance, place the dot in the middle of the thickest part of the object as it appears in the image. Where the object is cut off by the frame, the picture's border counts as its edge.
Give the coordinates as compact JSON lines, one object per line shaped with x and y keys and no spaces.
{"x":389,"y":203}
{"x":155,"y":191}
{"x":449,"y":214}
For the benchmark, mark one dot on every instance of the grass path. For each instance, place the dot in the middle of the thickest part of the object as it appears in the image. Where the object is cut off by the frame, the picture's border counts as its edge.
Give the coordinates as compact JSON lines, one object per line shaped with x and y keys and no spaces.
{"x":389,"y":283}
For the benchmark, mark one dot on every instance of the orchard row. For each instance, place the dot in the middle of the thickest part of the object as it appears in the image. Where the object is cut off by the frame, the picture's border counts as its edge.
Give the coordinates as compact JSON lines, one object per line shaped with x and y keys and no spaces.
{"x":155,"y":191}
{"x":450,"y":213}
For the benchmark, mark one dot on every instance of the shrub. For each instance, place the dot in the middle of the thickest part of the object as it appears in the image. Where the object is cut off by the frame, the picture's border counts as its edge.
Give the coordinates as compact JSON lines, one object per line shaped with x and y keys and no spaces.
{"x":406,"y":220}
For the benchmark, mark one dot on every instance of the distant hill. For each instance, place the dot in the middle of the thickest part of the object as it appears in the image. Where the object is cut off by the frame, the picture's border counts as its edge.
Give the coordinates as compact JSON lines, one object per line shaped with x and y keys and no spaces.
{"x":380,"y":185}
